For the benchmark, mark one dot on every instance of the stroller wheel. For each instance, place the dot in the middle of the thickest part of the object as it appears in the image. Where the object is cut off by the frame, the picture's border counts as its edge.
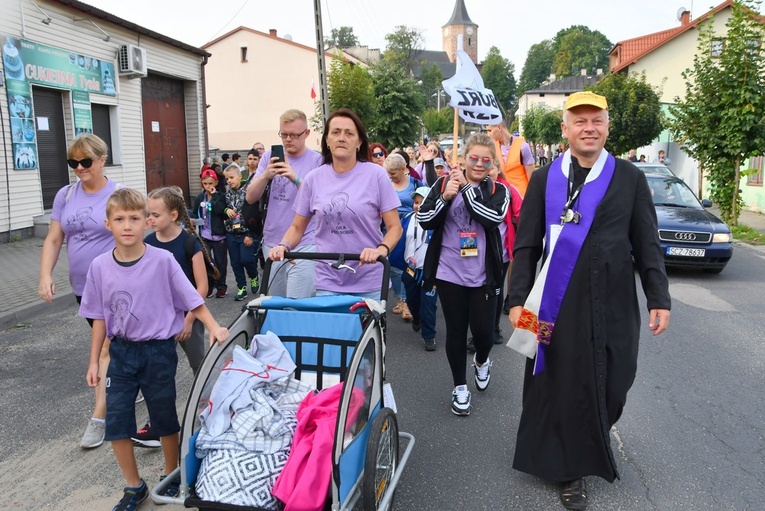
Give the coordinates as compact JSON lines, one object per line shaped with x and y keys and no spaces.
{"x":381,"y":459}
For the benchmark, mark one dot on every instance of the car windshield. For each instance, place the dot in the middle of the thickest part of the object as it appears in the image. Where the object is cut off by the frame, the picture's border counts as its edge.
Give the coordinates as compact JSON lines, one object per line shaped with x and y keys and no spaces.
{"x":655,"y":169}
{"x":672,"y":192}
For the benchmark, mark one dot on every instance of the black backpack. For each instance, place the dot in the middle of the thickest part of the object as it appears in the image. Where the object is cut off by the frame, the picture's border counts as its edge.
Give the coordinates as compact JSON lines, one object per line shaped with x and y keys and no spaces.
{"x":212,"y":272}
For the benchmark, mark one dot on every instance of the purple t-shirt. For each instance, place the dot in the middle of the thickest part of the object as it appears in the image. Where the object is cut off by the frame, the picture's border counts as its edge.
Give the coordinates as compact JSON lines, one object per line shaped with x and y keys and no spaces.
{"x":283,"y":193}
{"x":140,"y":302}
{"x":452,"y":267}
{"x":82,"y":220}
{"x":348,"y":208}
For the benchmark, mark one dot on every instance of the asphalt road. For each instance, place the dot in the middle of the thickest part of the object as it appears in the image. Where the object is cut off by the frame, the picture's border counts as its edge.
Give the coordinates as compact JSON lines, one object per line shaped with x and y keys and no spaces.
{"x":691,"y":436}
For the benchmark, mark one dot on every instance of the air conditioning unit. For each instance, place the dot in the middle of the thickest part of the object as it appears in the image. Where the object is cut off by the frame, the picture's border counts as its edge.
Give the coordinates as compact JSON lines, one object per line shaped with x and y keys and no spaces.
{"x":132,"y":61}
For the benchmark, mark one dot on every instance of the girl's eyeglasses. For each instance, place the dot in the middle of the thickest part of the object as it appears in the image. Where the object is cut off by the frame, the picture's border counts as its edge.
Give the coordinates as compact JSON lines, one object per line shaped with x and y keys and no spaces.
{"x":486,"y":161}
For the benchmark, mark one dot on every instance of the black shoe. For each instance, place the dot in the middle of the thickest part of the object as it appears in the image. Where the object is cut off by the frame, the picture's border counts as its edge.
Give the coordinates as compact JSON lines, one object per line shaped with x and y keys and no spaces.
{"x":416,"y":325}
{"x":498,"y":336}
{"x":573,"y":495}
{"x":470,"y":346}
{"x":506,"y":305}
{"x":145,"y":437}
{"x":430,"y":344}
{"x":132,"y":497}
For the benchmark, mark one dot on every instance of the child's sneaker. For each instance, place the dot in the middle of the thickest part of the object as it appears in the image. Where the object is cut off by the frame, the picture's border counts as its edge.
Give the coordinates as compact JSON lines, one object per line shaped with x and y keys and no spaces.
{"x":241,"y":294}
{"x":461,"y":400}
{"x":221,"y":293}
{"x":132,"y":497}
{"x":255,"y":285}
{"x":482,"y":374}
{"x":173,"y":488}
{"x":94,"y":434}
{"x":145,"y":437}
{"x":430,"y":344}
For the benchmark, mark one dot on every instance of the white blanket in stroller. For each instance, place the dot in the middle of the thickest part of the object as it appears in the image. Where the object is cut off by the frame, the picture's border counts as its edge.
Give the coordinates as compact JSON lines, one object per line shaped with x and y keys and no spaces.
{"x":247,"y":429}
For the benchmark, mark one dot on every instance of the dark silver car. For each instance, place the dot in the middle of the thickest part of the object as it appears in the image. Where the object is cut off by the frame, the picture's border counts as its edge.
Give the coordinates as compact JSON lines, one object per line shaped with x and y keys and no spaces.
{"x":654,"y":168}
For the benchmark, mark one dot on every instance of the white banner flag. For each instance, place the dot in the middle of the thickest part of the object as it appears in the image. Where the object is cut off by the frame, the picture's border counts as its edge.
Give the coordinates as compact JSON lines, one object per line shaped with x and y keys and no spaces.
{"x":467,"y":93}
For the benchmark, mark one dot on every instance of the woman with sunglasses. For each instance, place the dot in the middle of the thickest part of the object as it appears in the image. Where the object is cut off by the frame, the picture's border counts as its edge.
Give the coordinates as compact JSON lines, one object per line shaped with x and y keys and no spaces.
{"x":464,"y":260}
{"x":378,"y":153}
{"x":78,"y":215}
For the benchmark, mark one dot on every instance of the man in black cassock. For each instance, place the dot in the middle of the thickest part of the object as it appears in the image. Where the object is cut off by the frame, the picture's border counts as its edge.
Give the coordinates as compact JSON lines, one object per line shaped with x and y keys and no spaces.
{"x":576,"y":386}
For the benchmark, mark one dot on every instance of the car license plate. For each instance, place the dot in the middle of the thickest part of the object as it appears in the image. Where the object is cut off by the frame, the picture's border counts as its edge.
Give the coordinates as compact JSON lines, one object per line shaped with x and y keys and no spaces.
{"x":685,"y":252}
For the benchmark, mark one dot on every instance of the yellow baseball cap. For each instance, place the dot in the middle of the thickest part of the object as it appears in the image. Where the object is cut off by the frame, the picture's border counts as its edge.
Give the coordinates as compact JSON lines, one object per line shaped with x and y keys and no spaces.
{"x":586,"y":98}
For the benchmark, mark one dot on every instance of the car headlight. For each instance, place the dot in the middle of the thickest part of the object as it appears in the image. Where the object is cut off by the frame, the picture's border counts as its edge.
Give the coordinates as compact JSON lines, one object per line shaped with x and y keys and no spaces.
{"x":722,"y":237}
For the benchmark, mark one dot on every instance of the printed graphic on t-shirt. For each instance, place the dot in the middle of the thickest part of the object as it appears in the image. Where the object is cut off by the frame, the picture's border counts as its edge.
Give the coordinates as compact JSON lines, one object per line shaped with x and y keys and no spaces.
{"x":76,"y":223}
{"x":121,"y":305}
{"x":462,"y":217}
{"x":279,"y":188}
{"x":335,"y":214}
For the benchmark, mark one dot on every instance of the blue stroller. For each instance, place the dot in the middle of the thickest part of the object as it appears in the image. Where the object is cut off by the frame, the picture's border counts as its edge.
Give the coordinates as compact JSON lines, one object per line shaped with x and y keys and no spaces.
{"x":331,"y":339}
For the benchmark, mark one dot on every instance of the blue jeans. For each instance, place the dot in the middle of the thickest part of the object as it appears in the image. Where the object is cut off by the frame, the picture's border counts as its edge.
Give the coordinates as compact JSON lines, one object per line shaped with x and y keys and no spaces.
{"x":242,"y":258}
{"x":422,"y":304}
{"x":399,"y":291}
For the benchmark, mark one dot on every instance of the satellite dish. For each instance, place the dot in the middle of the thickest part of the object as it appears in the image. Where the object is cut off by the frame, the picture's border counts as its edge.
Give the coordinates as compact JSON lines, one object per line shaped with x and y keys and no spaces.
{"x":288,"y":37}
{"x":680,"y":12}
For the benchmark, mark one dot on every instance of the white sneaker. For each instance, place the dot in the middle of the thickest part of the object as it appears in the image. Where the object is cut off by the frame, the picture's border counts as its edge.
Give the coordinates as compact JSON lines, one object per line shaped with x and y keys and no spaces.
{"x":482,"y":374}
{"x":461,"y":400}
{"x":94,"y":434}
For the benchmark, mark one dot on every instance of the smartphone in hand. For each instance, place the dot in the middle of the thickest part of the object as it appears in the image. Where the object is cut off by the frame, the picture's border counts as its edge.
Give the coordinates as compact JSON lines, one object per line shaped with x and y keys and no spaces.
{"x":277,"y":151}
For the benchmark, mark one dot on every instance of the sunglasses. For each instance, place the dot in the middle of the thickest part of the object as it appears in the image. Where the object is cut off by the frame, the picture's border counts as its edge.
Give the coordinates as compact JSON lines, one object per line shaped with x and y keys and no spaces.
{"x":487,"y":161}
{"x":377,"y":154}
{"x":85,"y":162}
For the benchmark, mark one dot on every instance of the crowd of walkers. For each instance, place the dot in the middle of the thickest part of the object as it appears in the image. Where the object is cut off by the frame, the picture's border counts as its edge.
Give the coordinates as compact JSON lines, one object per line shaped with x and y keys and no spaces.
{"x":446,"y":221}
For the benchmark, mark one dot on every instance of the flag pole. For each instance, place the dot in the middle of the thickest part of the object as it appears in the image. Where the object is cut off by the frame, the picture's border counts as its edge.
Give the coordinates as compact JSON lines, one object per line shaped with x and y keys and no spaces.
{"x":456,"y":127}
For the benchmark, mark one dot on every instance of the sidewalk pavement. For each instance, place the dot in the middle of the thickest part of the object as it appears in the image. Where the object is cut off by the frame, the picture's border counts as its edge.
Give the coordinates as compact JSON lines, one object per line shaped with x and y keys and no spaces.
{"x":20,"y":267}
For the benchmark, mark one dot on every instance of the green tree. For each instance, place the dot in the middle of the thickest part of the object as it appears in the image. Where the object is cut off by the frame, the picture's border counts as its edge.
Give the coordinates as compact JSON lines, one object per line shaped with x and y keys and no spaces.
{"x":537,"y":67}
{"x":398,"y":105}
{"x":498,"y":75}
{"x":404,"y":47}
{"x":438,"y":121}
{"x":350,"y":86}
{"x":634,"y":111}
{"x":431,"y":78}
{"x":720,"y":120}
{"x":542,"y":125}
{"x":578,"y":48}
{"x":342,"y":37}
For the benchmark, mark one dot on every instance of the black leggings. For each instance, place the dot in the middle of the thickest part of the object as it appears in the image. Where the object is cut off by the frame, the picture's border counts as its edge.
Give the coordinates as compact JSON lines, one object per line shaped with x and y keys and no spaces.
{"x":463,"y":307}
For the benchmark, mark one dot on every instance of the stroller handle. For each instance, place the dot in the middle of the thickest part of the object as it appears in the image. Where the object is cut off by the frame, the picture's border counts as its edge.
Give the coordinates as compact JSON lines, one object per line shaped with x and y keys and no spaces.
{"x":339,"y":259}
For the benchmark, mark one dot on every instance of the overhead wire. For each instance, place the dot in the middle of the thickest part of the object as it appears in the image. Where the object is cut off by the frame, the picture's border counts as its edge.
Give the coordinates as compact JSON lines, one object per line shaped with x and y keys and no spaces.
{"x":229,"y":21}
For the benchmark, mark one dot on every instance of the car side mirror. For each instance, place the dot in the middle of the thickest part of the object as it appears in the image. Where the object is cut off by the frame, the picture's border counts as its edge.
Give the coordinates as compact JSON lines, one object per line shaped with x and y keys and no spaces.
{"x":706,"y":203}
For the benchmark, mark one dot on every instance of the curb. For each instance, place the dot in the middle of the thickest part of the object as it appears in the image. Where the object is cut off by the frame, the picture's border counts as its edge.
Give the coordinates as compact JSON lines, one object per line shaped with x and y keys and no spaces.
{"x":28,"y":313}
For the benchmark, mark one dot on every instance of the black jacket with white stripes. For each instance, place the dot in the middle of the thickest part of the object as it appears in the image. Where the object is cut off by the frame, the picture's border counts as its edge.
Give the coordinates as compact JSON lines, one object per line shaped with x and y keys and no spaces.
{"x":487,"y":205}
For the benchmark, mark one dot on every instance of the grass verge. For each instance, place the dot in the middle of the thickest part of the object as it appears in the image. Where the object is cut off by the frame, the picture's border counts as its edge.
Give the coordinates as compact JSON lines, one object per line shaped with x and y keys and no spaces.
{"x":748,"y":235}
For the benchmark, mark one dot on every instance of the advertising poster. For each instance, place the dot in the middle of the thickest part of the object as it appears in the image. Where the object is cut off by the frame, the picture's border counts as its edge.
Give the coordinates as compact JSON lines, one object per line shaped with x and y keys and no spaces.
{"x":26,"y":63}
{"x":83,"y":121}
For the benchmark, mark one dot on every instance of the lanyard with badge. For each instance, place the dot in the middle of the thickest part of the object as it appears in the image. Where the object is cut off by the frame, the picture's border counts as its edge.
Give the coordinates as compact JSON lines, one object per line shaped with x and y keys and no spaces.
{"x":469,"y":240}
{"x":569,"y":214}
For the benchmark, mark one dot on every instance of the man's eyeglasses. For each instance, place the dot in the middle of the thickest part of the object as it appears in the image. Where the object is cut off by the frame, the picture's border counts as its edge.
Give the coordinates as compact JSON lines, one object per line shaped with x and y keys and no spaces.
{"x":291,"y":136}
{"x":85,"y":162}
{"x":486,"y":161}
{"x":378,"y":154}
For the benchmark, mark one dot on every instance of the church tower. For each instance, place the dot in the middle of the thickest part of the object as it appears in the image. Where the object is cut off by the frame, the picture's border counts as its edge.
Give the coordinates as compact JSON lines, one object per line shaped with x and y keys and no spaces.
{"x":458,"y":24}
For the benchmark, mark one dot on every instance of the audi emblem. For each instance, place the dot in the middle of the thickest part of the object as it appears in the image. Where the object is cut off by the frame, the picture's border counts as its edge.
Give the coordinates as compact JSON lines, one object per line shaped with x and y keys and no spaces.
{"x":685,"y":236}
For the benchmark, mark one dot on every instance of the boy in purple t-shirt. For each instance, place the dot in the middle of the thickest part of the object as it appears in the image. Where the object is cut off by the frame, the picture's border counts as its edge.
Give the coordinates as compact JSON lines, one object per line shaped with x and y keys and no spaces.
{"x":136,"y":296}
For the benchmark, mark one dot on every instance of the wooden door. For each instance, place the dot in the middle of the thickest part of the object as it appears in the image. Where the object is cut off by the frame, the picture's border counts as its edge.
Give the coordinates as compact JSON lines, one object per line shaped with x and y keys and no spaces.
{"x":164,"y":128}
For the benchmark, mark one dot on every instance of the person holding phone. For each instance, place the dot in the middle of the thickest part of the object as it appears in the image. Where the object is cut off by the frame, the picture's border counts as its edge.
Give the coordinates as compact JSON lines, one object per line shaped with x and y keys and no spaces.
{"x":346,"y":198}
{"x":275,"y":184}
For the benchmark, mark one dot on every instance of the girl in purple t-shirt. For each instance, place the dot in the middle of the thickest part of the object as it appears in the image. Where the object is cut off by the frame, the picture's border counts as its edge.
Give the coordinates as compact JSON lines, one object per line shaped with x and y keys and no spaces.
{"x":464,"y":260}
{"x":348,"y":195}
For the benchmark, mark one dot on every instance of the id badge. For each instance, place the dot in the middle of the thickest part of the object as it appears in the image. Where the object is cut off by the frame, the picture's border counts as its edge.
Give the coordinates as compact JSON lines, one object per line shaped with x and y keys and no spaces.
{"x":468,"y":243}
{"x":410,"y":271}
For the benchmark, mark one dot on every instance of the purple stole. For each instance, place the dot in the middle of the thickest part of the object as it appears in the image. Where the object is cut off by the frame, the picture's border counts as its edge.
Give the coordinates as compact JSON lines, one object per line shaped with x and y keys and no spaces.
{"x":569,"y":244}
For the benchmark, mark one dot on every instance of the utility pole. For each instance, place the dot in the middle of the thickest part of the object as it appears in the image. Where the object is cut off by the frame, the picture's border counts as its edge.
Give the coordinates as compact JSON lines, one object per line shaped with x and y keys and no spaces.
{"x":320,"y":60}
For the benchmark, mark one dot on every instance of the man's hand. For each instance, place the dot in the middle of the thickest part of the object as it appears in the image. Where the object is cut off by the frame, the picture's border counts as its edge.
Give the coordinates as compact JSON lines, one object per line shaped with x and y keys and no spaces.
{"x":515,"y":315}
{"x":658,"y":320}
{"x":285,"y":170}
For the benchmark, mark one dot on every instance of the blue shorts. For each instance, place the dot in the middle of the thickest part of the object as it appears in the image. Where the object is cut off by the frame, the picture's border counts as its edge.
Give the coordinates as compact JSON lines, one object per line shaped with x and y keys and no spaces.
{"x":149,"y":366}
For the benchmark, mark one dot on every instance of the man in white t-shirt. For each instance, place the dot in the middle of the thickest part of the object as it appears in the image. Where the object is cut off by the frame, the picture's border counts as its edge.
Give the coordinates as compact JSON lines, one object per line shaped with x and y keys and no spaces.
{"x":278,"y":182}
